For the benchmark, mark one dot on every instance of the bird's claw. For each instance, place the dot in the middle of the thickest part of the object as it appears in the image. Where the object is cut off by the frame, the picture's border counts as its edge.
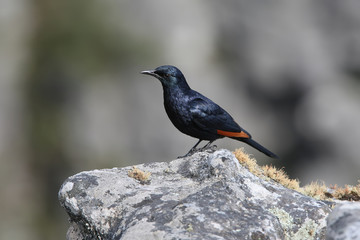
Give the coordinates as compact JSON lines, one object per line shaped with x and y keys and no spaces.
{"x":191,"y":152}
{"x":210,"y":148}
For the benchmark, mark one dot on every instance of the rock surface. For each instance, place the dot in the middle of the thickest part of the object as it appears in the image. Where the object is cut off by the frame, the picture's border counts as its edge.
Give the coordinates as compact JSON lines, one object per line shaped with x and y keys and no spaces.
{"x":344,"y":222}
{"x":204,"y":196}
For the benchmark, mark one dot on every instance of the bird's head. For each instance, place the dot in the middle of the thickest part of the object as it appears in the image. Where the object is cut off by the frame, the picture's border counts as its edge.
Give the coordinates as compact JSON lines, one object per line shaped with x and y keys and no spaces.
{"x":169,"y":76}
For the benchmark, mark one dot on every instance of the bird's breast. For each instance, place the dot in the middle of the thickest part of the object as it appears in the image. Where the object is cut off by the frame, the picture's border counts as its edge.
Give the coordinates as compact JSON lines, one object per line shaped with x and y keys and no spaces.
{"x":177,"y":108}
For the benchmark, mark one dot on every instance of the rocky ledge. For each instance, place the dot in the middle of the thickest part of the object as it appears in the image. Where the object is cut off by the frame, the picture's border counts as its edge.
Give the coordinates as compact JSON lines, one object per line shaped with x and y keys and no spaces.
{"x":204,"y":196}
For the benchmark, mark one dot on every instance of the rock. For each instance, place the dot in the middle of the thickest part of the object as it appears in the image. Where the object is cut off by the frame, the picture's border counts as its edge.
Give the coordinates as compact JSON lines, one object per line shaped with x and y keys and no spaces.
{"x":344,"y":222}
{"x":204,"y":196}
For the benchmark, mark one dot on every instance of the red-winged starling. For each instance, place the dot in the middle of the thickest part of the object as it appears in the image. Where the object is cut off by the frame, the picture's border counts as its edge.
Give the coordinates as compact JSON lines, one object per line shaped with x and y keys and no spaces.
{"x":196,"y":115}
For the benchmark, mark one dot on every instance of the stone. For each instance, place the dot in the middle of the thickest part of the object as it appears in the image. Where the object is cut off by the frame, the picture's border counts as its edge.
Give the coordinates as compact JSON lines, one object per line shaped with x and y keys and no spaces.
{"x":208,"y":195}
{"x":344,"y":222}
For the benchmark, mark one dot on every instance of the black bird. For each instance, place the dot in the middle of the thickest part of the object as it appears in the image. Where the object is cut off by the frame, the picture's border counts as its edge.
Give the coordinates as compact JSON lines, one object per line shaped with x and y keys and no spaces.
{"x":196,"y":115}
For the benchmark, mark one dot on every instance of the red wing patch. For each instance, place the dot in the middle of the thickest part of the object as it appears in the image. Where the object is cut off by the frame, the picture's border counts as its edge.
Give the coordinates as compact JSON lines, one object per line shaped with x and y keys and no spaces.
{"x":233,"y":134}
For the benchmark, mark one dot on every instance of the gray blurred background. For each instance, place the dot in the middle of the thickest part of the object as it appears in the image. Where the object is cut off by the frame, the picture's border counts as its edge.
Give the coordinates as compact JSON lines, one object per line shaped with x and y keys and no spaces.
{"x":72,"y":98}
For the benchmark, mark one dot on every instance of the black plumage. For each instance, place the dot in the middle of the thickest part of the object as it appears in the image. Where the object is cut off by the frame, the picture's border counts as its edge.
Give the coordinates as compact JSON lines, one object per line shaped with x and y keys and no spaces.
{"x":196,"y":115}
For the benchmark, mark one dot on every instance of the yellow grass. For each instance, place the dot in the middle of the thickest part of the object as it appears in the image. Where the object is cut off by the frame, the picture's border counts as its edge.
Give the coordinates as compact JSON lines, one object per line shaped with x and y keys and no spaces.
{"x":138,"y":174}
{"x":316,"y":190}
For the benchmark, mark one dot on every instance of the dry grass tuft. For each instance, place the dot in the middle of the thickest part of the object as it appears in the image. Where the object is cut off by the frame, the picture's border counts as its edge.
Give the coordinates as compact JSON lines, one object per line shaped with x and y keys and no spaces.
{"x":316,"y":190}
{"x":350,"y":193}
{"x":247,"y":161}
{"x":139,"y":175}
{"x":280,"y":176}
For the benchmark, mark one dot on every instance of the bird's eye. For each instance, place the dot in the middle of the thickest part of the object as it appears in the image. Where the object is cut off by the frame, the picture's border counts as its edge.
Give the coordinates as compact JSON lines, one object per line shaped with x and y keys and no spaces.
{"x":167,"y":75}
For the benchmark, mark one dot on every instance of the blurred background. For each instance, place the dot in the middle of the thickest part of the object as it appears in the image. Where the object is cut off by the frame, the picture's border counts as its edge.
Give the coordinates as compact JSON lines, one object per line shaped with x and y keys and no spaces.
{"x":72,"y":98}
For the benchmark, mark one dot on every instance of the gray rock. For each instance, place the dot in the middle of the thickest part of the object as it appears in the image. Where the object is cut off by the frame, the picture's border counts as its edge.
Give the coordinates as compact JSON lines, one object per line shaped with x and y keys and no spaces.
{"x":344,"y":222}
{"x":205,"y":196}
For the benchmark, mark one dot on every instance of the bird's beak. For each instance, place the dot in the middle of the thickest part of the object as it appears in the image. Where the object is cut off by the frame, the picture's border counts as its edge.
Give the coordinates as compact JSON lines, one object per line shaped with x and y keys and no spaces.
{"x":149,"y":72}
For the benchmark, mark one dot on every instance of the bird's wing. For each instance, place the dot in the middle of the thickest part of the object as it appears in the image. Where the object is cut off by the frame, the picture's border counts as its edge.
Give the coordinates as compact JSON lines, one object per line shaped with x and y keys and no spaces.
{"x":209,"y":116}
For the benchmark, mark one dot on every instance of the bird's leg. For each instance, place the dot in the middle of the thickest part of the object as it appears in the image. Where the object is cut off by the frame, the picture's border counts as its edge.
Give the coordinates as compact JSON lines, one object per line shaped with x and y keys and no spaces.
{"x":208,"y":145}
{"x":192,"y":150}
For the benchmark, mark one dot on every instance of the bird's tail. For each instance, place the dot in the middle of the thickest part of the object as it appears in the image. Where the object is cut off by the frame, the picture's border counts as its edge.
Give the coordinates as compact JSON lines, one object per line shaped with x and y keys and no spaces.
{"x":256,"y":145}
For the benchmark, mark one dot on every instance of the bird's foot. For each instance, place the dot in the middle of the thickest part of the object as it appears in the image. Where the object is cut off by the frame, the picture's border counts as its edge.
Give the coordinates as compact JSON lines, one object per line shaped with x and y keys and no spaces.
{"x":186,"y":155}
{"x":207,"y":147}
{"x":210,"y":148}
{"x":191,"y":152}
